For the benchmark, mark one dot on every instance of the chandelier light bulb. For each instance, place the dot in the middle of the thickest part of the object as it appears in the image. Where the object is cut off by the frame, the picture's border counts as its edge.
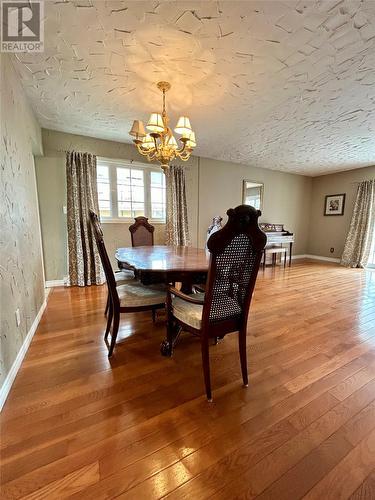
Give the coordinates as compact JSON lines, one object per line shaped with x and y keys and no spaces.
{"x":155,"y":123}
{"x":172,"y":142}
{"x":148,"y":142}
{"x":183,"y":126}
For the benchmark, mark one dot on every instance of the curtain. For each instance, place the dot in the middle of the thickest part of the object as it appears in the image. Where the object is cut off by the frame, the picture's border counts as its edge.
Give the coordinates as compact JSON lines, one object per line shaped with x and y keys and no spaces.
{"x":177,"y":221}
{"x":358,"y":241}
{"x":84,"y":261}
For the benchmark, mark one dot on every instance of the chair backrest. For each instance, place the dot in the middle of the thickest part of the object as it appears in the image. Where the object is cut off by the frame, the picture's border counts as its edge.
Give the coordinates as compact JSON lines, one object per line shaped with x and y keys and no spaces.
{"x":236,"y":252}
{"x":142,"y":232}
{"x":106,"y":263}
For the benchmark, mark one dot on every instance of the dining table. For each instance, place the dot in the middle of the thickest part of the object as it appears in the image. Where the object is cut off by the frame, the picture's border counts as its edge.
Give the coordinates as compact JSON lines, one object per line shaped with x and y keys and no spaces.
{"x":166,"y":264}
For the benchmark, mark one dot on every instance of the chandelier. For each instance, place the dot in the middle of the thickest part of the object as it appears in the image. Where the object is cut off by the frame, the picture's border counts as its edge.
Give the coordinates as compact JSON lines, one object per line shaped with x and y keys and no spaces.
{"x":159,"y":143}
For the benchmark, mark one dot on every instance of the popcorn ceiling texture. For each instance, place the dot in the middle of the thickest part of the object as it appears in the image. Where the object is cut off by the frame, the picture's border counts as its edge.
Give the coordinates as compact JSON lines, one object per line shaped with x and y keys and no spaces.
{"x":282,"y":85}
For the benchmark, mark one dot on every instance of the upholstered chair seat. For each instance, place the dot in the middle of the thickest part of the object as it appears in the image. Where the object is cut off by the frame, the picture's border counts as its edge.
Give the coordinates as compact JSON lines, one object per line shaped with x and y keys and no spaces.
{"x":135,"y":294}
{"x":190,"y":314}
{"x":124,"y":276}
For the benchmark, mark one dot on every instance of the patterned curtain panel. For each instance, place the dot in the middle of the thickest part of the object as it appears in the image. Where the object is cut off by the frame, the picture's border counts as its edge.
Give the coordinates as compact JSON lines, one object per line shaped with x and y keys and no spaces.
{"x":177,"y":220}
{"x":358,"y":241}
{"x":84,"y":261}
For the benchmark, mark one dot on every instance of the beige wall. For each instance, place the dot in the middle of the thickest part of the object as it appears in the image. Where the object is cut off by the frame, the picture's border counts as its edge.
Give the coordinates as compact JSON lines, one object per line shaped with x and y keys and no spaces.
{"x":212,"y":187}
{"x":51,"y":180}
{"x":21,"y":270}
{"x":286,"y":197}
{"x":331,"y":231}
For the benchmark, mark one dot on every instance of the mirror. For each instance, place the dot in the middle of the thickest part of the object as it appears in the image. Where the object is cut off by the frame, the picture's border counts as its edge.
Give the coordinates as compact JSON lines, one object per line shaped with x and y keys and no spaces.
{"x":252,"y":194}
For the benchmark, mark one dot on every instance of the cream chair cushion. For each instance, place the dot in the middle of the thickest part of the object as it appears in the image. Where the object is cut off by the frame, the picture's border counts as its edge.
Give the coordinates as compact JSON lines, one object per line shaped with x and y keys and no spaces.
{"x":190,"y":314}
{"x":134,"y":294}
{"x":124,"y":276}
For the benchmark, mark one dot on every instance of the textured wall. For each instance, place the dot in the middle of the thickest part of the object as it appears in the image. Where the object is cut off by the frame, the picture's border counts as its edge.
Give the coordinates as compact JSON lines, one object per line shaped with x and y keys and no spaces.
{"x":328,"y":231}
{"x":21,"y":268}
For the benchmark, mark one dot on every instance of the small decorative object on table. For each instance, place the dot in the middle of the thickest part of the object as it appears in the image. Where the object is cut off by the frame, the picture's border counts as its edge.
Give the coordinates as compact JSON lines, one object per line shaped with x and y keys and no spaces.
{"x":334,"y":204}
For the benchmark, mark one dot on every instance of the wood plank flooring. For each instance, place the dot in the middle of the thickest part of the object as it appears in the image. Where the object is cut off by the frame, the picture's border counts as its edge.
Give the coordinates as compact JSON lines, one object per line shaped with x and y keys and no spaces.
{"x":77,"y":425}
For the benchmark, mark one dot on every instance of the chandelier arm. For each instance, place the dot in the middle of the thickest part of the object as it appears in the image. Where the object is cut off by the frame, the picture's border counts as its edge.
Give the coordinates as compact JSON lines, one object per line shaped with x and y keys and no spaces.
{"x":180,"y":151}
{"x":143,"y":152}
{"x":185,"y":154}
{"x":156,"y":144}
{"x":184,"y":158}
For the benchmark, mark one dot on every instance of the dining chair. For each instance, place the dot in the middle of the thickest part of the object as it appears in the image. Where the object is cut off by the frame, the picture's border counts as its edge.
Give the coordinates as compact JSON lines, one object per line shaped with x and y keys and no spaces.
{"x":236,"y":252}
{"x":129,"y":297}
{"x":142,"y":233}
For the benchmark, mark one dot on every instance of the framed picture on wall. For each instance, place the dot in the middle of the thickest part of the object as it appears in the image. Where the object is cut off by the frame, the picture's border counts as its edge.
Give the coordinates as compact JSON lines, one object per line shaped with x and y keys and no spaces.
{"x":334,"y":204}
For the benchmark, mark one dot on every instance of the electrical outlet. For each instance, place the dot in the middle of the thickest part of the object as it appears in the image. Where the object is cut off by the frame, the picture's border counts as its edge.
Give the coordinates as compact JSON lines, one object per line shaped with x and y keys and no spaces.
{"x":18,"y":317}
{"x":65,"y":210}
{"x":331,"y":249}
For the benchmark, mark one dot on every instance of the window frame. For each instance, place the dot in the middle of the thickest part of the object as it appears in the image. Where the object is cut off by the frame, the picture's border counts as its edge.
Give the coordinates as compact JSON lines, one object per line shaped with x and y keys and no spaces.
{"x":112,"y":165}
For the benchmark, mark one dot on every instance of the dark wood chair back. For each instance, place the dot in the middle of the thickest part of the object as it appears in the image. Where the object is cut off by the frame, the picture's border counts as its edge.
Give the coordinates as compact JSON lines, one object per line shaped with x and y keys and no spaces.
{"x":142,"y":233}
{"x":106,"y":263}
{"x":236,"y":252}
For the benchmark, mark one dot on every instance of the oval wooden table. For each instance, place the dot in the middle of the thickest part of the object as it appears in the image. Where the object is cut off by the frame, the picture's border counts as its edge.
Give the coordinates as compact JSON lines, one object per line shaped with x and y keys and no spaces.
{"x":166,"y":264}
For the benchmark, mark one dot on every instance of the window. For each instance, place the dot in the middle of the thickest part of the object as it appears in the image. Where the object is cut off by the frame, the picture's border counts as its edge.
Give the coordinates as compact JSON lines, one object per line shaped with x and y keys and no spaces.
{"x":127,"y":190}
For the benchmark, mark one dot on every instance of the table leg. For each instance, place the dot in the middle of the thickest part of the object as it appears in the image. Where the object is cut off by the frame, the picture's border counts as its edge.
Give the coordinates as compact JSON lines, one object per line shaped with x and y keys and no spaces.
{"x":167,"y":346}
{"x":290,"y":253}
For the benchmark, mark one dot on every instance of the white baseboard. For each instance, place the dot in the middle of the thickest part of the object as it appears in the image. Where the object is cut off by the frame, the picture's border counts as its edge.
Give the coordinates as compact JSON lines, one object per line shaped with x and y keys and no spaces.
{"x":320,"y":257}
{"x":7,"y":385}
{"x":315,"y":257}
{"x":296,"y":257}
{"x":52,"y":283}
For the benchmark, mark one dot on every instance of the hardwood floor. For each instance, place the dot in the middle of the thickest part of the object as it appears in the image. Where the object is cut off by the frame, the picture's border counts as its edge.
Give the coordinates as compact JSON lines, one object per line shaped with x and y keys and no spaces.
{"x":80,"y":426}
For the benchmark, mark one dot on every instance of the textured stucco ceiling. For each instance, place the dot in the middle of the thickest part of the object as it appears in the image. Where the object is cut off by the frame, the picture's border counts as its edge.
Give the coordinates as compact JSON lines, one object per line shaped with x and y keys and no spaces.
{"x":282,"y":85}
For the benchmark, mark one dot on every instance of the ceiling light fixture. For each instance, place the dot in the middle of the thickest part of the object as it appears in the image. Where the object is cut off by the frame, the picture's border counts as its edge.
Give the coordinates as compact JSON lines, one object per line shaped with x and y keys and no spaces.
{"x":159,"y":143}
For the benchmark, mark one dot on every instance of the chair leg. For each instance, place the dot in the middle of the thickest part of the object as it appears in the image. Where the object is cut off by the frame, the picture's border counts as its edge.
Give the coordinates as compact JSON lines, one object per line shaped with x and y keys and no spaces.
{"x":109,"y":318}
{"x":243,"y":356}
{"x":116,"y":323}
{"x":206,"y":367}
{"x":106,"y":306}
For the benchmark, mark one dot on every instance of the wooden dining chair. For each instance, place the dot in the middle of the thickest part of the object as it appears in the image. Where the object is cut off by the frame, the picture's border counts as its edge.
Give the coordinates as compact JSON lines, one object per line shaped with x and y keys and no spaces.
{"x":236,"y":252}
{"x":142,"y":233}
{"x":129,"y":297}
